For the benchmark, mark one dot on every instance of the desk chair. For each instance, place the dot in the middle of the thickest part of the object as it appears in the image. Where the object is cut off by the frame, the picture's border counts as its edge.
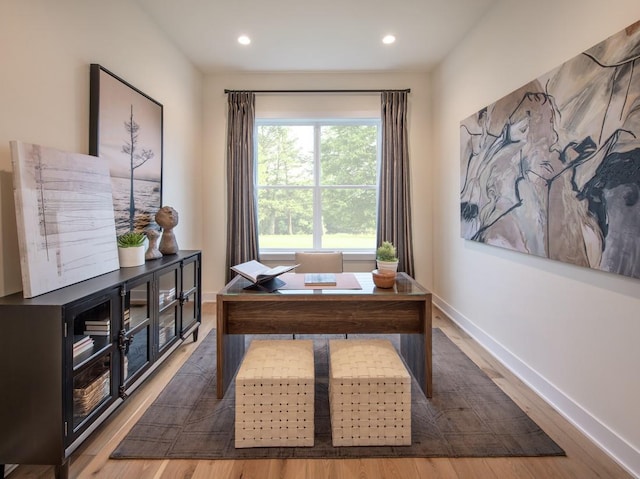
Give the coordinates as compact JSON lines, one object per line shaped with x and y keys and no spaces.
{"x":318,"y":262}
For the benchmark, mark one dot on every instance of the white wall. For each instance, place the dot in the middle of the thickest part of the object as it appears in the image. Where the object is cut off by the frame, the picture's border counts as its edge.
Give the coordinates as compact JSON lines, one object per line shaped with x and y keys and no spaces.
{"x":46,"y":48}
{"x":571,"y":332}
{"x":215,"y":111}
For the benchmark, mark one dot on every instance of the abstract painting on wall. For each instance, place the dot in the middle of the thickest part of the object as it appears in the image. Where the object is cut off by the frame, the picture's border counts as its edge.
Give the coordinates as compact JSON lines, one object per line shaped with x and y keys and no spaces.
{"x":553,"y":168}
{"x":64,"y":212}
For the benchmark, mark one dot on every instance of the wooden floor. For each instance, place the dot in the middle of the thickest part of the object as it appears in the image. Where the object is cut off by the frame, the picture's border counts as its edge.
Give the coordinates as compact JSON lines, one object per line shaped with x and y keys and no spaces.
{"x":584,"y":460}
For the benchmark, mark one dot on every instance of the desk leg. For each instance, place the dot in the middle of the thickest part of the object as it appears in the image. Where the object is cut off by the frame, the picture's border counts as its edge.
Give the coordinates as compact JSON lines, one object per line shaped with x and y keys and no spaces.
{"x":428,"y":373}
{"x":412,"y":347}
{"x":428,"y":347}
{"x":229,"y":353}
{"x":220,"y":311}
{"x":233,"y":354}
{"x":428,"y":344}
{"x":417,"y":352}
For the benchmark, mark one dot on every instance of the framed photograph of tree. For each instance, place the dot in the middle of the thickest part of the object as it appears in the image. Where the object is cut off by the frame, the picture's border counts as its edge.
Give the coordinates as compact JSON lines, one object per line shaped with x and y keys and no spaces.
{"x":126,"y":130}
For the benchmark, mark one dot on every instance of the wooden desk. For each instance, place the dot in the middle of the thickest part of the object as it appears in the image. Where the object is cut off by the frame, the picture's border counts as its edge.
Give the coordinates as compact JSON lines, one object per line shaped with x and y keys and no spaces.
{"x":404,"y":310}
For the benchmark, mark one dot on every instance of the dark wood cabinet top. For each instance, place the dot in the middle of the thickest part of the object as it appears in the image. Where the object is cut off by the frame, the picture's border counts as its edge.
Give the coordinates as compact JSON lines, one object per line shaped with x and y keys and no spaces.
{"x":92,"y":286}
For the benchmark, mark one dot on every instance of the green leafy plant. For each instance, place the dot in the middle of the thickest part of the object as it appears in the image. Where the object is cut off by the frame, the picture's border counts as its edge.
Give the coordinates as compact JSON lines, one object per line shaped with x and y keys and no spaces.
{"x":131,"y":239}
{"x":386,"y":252}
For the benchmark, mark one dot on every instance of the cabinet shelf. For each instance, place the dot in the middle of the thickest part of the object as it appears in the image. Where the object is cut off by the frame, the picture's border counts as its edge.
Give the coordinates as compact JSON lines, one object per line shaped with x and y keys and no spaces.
{"x":89,"y":357}
{"x":137,"y":328}
{"x":165,"y":306}
{"x":65,"y":375}
{"x":135,"y":322}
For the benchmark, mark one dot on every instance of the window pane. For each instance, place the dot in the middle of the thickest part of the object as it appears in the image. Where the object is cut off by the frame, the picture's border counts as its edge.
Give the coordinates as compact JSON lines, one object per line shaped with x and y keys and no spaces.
{"x":348,"y":154}
{"x":316,"y":184}
{"x":349,"y":218}
{"x":285,"y":155}
{"x":285,"y":218}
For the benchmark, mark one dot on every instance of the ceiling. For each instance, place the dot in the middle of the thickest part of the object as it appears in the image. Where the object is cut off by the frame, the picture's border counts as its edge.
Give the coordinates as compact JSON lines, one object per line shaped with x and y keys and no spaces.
{"x":319,"y":35}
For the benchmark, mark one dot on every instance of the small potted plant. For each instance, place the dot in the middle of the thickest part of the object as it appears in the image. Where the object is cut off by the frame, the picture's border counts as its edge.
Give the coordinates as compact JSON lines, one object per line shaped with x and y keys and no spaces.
{"x":131,"y":249}
{"x":386,"y":257}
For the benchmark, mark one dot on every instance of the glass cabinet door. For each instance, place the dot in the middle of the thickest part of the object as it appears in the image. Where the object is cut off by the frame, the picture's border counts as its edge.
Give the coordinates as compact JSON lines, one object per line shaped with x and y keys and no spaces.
{"x":135,"y":336}
{"x":91,"y":388}
{"x":168,"y":307}
{"x":91,"y":330}
{"x":92,"y":324}
{"x":189,"y":298}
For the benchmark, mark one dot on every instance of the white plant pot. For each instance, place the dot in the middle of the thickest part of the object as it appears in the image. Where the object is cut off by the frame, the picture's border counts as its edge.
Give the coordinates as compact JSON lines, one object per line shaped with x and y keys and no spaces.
{"x":387,"y":265}
{"x":129,"y":257}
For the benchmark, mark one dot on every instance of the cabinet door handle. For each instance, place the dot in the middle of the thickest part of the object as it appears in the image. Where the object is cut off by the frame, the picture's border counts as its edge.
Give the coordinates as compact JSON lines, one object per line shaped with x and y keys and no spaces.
{"x":124,"y":341}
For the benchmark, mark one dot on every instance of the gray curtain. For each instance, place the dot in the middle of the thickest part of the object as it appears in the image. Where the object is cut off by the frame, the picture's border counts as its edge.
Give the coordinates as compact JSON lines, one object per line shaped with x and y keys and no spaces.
{"x":394,"y":202}
{"x":242,"y":230}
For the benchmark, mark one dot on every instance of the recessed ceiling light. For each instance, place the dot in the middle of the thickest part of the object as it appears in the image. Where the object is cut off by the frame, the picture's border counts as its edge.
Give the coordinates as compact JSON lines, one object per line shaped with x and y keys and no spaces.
{"x":388,"y":39}
{"x":244,"y":40}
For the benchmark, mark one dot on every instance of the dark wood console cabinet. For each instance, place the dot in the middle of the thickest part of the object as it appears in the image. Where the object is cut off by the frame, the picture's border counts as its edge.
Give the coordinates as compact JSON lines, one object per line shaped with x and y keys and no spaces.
{"x":70,"y":357}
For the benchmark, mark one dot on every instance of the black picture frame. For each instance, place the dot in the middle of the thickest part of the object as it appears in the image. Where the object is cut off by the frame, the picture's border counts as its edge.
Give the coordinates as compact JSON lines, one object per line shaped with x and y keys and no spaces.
{"x":126,"y":129}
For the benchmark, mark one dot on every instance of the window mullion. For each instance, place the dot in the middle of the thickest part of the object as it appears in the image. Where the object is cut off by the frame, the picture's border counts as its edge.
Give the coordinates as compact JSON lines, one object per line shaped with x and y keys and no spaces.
{"x":317,"y":195}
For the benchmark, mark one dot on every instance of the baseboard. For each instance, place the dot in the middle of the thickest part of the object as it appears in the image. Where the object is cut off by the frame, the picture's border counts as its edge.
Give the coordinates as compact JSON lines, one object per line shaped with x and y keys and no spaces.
{"x":208,"y":297}
{"x":616,"y":447}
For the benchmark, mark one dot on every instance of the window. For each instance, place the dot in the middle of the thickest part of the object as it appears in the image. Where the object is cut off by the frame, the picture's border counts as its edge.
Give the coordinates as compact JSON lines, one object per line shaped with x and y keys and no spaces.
{"x":317,"y":184}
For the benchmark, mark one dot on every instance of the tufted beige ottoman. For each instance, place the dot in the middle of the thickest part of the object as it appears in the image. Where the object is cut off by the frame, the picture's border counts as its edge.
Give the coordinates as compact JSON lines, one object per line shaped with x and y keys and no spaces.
{"x":275,"y":394}
{"x":369,"y":394}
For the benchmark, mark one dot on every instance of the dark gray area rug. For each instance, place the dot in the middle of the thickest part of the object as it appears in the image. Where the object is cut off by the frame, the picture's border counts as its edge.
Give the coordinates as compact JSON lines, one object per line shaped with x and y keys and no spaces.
{"x":468,"y":416}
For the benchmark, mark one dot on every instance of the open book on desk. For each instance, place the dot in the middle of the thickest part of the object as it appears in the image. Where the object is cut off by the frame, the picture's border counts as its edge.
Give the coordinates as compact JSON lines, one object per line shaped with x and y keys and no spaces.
{"x":262,"y":275}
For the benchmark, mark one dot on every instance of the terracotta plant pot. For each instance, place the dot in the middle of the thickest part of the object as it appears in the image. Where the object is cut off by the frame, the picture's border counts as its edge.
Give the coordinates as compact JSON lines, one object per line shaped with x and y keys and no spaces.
{"x":384,"y":278}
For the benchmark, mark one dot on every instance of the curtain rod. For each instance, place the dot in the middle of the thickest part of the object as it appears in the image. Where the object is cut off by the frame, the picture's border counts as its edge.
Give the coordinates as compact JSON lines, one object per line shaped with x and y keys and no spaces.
{"x":407,"y":90}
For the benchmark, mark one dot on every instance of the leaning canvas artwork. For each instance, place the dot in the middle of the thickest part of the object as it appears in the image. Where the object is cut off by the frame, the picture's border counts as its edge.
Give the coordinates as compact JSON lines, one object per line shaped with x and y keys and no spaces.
{"x":64,"y":212}
{"x":553,"y":168}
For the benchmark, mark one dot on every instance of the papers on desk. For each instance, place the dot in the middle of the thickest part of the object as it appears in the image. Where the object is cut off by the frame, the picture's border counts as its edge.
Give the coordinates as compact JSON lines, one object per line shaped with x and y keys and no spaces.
{"x":344,"y":281}
{"x":320,"y":279}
